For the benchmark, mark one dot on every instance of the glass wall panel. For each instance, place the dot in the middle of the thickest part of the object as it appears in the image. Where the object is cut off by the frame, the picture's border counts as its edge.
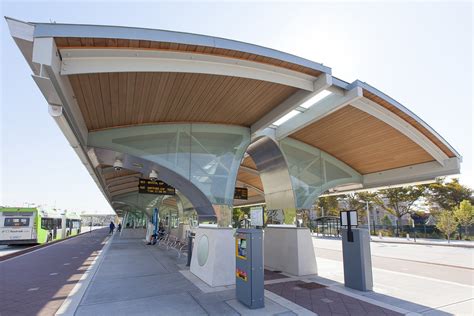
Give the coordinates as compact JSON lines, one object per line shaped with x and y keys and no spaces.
{"x":208,"y":155}
{"x":313,"y":172}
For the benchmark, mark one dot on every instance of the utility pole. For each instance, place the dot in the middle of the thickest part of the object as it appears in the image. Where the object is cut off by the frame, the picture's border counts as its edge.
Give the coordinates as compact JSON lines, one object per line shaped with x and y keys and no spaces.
{"x":414,"y":229}
{"x":368,"y":216}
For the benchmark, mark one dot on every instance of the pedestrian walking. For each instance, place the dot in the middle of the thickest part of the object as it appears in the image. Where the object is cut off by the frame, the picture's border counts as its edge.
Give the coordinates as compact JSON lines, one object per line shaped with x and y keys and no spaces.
{"x":112,"y":227}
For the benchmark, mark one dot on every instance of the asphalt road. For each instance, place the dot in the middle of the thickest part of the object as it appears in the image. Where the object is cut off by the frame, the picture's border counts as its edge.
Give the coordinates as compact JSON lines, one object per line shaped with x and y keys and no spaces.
{"x":6,"y":250}
{"x":451,"y":264}
{"x":37,"y":283}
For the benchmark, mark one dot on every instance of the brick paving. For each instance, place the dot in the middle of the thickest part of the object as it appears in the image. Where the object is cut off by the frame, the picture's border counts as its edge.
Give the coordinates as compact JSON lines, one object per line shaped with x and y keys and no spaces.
{"x":273,"y":275}
{"x":323,"y":301}
{"x":37,"y":283}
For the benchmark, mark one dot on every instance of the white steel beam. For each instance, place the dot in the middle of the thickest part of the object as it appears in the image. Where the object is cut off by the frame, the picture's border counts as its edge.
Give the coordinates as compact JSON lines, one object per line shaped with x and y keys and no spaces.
{"x":253,"y":200}
{"x":58,"y":90}
{"x":22,"y":33}
{"x":62,"y":105}
{"x":323,"y":82}
{"x":83,"y":61}
{"x":323,"y":108}
{"x":410,"y":175}
{"x":402,"y":126}
{"x":416,"y":173}
{"x":58,"y":115}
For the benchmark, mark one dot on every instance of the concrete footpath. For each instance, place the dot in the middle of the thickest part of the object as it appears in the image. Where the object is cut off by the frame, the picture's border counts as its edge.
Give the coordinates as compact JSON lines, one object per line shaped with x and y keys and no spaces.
{"x":132,"y":278}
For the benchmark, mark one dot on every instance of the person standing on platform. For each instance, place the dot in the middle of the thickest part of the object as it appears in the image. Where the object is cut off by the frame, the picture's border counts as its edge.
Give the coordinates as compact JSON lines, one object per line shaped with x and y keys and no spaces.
{"x":112,"y":227}
{"x":119,"y":227}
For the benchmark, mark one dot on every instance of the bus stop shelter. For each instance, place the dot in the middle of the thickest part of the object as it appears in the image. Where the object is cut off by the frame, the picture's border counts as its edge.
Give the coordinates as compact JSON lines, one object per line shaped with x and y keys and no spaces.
{"x":206,"y":115}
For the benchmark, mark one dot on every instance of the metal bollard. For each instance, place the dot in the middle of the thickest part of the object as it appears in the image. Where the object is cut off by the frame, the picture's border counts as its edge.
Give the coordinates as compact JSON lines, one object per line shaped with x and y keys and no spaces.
{"x":190,"y":247}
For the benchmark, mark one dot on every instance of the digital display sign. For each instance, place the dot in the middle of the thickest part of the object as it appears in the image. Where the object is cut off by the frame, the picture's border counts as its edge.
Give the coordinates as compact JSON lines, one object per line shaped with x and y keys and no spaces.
{"x":241,"y":193}
{"x":241,"y":246}
{"x":148,"y":186}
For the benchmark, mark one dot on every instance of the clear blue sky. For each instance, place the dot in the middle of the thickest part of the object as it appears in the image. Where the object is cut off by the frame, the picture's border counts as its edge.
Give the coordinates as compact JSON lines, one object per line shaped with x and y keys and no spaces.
{"x":418,"y":53}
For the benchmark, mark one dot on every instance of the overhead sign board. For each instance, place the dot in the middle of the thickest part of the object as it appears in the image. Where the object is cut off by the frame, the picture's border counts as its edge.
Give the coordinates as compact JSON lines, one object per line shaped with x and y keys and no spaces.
{"x":241,"y":193}
{"x":148,"y":186}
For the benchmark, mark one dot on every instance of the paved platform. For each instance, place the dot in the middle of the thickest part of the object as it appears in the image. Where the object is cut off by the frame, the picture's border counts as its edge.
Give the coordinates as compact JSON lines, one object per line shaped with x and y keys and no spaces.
{"x":38,"y":282}
{"x":137,"y":279}
{"x":133,"y":278}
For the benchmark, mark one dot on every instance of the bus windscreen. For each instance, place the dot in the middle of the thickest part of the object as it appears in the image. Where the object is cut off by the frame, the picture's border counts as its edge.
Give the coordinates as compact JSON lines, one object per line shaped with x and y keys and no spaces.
{"x":15,"y":221}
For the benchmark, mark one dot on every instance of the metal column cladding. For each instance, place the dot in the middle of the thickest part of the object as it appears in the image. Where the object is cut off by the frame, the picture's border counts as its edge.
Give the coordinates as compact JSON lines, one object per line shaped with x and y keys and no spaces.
{"x":249,"y":272}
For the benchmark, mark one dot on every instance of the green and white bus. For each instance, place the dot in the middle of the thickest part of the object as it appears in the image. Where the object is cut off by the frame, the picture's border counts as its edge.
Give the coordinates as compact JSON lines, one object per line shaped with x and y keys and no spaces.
{"x":36,"y":226}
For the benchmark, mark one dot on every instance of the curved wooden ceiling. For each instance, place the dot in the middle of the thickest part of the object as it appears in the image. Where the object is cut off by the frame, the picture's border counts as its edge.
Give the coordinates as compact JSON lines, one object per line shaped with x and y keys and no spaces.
{"x":111,"y":100}
{"x":362,"y":141}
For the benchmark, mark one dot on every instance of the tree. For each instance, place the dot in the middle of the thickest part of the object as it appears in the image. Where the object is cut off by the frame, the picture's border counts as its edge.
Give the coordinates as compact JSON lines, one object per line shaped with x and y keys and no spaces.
{"x":357,"y":201}
{"x":399,"y":201}
{"x":448,"y":195}
{"x":237,"y":215}
{"x":464,"y":215}
{"x":386,"y":221}
{"x":446,"y":223}
{"x":328,"y":205}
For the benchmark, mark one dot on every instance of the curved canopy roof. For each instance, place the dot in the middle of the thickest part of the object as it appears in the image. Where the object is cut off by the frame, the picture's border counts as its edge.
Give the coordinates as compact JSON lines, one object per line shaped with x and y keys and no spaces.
{"x":103,"y":77}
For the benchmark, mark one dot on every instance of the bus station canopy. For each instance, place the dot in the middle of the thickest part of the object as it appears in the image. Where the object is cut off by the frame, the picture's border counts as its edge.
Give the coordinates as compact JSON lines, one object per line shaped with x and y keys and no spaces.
{"x":99,"y":78}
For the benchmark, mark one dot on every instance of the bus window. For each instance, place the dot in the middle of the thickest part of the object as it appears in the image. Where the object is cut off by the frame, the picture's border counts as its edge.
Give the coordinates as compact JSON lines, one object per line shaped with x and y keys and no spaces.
{"x":47,"y":223}
{"x":76,"y":223}
{"x":16,"y":222}
{"x":58,"y":223}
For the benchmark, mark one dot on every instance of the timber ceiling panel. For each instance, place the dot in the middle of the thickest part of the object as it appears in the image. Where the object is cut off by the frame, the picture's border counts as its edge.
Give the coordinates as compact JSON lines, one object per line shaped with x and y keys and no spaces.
{"x":118,"y":173}
{"x":75,"y":42}
{"x":171,"y":201}
{"x":410,"y":120}
{"x":248,"y":178}
{"x":362,"y":141}
{"x":248,"y":162}
{"x":111,"y":100}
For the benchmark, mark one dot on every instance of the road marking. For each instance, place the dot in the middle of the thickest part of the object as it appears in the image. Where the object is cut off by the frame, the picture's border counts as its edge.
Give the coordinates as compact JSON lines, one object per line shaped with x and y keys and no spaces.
{"x":414,"y":276}
{"x":67,"y":263}
{"x":403,"y":259}
{"x":43,"y":247}
{"x":54,"y":273}
{"x":326,"y":300}
{"x":425,"y":278}
{"x":33,"y":289}
{"x":75,"y":257}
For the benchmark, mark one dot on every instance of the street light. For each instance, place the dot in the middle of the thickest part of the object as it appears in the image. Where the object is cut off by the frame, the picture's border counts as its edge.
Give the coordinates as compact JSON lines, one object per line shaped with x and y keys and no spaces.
{"x":368,"y":215}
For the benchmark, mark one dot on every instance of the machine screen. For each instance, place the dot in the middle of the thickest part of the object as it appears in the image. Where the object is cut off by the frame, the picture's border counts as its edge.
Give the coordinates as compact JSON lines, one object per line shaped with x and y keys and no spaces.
{"x":241,"y":248}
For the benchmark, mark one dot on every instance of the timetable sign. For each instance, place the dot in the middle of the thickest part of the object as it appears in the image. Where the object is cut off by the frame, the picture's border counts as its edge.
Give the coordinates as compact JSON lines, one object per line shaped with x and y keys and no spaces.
{"x":148,"y":186}
{"x":241,"y":193}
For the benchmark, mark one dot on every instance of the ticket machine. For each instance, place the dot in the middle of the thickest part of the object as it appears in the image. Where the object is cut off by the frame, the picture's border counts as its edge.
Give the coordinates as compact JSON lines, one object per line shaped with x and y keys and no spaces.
{"x":249,"y":282}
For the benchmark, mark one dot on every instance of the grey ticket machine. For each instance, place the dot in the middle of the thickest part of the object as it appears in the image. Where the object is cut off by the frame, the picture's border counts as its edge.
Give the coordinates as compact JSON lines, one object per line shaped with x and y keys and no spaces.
{"x":249,"y":284}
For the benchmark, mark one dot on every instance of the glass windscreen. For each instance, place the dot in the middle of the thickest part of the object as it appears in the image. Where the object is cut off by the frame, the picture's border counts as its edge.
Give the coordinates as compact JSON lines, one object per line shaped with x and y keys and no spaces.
{"x":16,"y":221}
